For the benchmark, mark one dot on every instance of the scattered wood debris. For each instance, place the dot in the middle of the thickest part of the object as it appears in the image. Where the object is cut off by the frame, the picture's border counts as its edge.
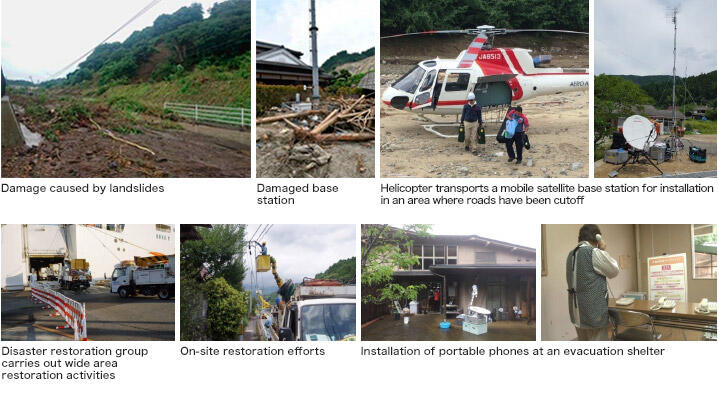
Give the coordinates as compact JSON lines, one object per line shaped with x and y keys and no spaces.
{"x":301,"y":142}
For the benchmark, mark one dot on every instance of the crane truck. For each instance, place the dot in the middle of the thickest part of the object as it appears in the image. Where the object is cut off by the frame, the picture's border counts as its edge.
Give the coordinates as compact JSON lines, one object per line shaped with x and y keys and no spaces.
{"x":147,"y":276}
{"x":317,"y":309}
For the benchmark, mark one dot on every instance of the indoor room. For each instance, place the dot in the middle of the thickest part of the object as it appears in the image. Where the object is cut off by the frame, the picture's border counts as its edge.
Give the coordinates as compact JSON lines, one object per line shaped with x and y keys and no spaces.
{"x":628,"y":282}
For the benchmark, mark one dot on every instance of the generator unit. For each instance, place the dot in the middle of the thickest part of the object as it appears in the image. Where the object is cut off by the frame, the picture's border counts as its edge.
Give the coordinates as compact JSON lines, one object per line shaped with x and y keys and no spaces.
{"x":697,"y":155}
{"x":615,"y":156}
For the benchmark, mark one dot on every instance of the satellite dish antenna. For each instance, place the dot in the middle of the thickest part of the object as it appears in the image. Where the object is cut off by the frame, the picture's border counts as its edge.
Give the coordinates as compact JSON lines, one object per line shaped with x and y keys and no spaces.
{"x":640,"y":133}
{"x":479,"y":310}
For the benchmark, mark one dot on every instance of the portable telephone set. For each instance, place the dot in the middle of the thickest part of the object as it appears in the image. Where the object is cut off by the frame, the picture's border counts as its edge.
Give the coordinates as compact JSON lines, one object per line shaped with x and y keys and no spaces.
{"x":664,"y":303}
{"x":706,"y":307}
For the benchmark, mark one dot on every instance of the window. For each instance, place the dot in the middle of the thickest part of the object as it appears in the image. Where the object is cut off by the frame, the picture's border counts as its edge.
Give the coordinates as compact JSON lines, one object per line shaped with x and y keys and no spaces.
{"x":430,"y":255}
{"x":457,"y":82}
{"x":163,"y":227}
{"x":485,"y":257}
{"x":410,"y":81}
{"x":704,"y":251}
{"x":428,"y":81}
{"x":452,"y":254}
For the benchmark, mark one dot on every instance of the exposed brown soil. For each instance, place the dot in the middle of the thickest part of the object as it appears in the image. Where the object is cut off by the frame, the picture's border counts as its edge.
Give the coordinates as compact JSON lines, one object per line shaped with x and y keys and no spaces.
{"x":86,"y":153}
{"x":681,"y":165}
{"x":181,"y":149}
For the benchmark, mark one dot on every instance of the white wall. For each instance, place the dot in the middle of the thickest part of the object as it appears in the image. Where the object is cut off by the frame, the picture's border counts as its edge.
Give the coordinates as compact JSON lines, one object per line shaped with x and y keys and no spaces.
{"x":13,"y":267}
{"x":46,"y":240}
{"x":104,"y":249}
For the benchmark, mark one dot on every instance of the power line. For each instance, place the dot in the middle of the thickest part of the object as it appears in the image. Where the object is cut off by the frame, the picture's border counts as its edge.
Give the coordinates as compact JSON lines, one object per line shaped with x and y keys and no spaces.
{"x":265,"y":232}
{"x":135,"y":17}
{"x":255,"y":233}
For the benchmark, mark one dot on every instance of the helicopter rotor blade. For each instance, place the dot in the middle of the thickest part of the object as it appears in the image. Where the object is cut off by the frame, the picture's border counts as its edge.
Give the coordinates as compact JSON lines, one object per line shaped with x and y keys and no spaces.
{"x":520,"y":30}
{"x":428,"y":33}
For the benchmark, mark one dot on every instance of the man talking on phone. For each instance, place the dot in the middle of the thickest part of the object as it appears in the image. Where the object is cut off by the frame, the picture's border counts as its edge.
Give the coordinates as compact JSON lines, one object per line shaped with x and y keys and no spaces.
{"x":587,"y":268}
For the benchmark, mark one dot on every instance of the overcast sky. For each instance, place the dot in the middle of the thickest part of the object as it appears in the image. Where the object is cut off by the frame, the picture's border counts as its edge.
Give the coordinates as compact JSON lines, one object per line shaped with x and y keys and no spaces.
{"x":40,"y":37}
{"x":635,"y":37}
{"x":519,"y":234}
{"x":303,"y":250}
{"x":343,"y":25}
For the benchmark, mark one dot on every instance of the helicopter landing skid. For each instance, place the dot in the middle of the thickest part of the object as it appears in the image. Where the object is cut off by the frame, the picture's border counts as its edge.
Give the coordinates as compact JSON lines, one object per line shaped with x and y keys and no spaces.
{"x":430,"y":128}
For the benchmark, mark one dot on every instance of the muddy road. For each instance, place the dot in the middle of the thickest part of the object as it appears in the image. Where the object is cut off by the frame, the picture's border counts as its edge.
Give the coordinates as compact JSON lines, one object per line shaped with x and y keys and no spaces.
{"x":81,"y":150}
{"x":559,"y":123}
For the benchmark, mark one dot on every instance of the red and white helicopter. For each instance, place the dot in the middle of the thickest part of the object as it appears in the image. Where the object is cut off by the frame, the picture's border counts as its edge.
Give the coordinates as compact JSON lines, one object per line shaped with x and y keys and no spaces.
{"x":497,"y":76}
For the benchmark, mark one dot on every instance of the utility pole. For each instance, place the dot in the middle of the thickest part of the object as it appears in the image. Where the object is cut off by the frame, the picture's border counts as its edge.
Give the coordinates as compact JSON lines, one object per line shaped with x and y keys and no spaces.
{"x":315,"y":53}
{"x":674,"y":20}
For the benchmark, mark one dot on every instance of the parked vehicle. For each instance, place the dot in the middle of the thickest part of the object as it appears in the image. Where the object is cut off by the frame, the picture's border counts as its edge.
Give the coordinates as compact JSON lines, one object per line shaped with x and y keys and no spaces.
{"x":75,"y":274}
{"x":147,"y":276}
{"x":318,"y":313}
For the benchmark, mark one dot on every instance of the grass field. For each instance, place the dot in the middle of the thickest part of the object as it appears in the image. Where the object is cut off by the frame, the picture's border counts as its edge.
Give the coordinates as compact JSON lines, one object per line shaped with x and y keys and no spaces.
{"x":706,"y":127}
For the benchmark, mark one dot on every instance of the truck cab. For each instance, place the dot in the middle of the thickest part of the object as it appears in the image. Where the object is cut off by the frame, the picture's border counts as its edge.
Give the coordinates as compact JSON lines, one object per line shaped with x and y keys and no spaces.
{"x":312,"y":316}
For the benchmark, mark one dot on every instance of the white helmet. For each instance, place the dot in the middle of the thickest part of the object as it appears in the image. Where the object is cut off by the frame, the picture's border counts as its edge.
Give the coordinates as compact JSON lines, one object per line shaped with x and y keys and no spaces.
{"x":472,"y":97}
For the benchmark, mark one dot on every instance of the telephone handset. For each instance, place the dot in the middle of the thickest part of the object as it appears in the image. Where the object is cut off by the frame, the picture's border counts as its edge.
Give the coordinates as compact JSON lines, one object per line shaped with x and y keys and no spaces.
{"x":664,"y":303}
{"x":706,"y":307}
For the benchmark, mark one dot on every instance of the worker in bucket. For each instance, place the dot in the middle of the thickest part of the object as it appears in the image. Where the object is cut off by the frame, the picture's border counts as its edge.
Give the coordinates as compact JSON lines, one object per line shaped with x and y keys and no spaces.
{"x":263,"y":247}
{"x":587,"y":269}
{"x":471,"y":120}
{"x":516,"y":126}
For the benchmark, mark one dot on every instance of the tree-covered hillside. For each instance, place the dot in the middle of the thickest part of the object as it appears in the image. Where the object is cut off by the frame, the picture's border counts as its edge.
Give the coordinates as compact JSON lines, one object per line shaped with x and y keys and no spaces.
{"x":701,"y":90}
{"x":405,"y":16}
{"x":344,"y":270}
{"x":174,"y":44}
{"x":343,"y":57}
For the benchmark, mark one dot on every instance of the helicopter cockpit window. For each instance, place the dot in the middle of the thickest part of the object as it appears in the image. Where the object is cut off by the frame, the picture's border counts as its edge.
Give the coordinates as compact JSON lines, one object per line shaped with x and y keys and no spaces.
{"x":428,"y":81}
{"x":457,"y":82}
{"x":410,"y":81}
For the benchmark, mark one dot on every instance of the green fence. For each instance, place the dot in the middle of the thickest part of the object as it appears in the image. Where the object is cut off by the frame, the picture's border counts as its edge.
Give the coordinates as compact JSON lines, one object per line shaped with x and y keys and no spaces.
{"x":211,"y":114}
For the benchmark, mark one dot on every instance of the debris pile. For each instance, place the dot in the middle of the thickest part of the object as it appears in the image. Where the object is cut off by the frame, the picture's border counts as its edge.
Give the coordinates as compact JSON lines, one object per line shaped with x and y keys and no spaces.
{"x":304,"y":143}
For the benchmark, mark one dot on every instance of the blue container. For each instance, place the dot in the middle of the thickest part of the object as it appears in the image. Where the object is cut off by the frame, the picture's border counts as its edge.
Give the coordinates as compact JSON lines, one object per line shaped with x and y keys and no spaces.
{"x":444,"y":325}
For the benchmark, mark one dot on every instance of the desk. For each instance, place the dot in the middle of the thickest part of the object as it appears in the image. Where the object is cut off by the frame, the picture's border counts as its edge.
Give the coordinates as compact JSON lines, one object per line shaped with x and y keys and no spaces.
{"x":683,"y":316}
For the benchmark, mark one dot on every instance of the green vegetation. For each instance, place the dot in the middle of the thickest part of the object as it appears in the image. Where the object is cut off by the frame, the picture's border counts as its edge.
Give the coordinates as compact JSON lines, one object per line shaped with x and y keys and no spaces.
{"x":384,"y":250}
{"x":223,"y":296}
{"x":701,"y":89}
{"x":405,"y":16}
{"x":344,"y":270}
{"x":706,"y":127}
{"x":183,"y":57}
{"x":226,"y":307}
{"x":613,"y":97}
{"x":344,"y":83}
{"x":343,"y":57}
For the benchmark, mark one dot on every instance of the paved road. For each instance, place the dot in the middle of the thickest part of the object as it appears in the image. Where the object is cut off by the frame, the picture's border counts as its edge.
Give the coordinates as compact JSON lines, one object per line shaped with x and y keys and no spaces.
{"x":109,"y":317}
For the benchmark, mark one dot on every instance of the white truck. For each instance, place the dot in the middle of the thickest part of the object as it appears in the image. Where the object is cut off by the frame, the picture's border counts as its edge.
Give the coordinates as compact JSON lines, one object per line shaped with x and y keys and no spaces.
{"x":128,"y":279}
{"x":320,"y":313}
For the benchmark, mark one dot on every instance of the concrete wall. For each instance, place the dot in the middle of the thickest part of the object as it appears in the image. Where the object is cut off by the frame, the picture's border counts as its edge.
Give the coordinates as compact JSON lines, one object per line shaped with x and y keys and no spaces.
{"x":657,"y":240}
{"x":559,"y":241}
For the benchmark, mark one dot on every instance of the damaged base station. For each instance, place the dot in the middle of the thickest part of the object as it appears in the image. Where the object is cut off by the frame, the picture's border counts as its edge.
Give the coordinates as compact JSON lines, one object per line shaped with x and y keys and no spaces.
{"x":335,"y":140}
